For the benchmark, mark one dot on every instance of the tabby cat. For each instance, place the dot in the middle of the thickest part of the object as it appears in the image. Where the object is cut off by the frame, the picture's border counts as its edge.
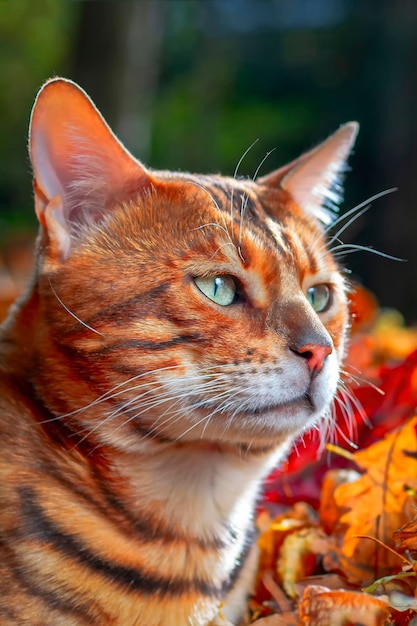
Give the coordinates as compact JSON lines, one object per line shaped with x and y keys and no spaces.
{"x":178,"y":333}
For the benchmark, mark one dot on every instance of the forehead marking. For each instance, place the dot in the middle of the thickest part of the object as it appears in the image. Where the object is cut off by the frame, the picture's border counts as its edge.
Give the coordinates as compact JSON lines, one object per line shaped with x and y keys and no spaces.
{"x":240,"y":203}
{"x":280,"y":238}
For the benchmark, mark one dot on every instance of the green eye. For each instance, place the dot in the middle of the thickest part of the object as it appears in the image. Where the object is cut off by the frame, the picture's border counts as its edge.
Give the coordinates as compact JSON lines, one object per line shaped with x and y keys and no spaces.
{"x":220,"y":289}
{"x":320,"y":297}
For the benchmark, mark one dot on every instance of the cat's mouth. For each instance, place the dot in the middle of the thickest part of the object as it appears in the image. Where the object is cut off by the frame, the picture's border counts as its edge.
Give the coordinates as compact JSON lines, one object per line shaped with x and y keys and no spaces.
{"x":304,"y":401}
{"x":272,"y":421}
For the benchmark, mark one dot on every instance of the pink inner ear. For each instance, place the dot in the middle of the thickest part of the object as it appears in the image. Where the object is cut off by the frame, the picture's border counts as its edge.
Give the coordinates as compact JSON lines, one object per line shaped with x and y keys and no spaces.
{"x":76,"y":156}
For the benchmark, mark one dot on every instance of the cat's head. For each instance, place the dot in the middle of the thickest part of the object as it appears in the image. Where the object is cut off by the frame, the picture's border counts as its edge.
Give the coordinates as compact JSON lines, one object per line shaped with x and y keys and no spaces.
{"x":180,"y":306}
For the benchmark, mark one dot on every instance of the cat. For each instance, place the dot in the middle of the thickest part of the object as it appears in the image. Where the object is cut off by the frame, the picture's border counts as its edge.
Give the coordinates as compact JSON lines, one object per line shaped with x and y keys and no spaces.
{"x":178,"y":333}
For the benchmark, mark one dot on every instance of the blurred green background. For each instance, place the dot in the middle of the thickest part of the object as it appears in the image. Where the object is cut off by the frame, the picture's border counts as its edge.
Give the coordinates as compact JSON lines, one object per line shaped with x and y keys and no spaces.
{"x":190,"y":84}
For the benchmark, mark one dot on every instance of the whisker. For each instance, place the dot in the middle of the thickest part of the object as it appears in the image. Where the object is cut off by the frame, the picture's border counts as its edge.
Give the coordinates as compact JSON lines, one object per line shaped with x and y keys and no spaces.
{"x":344,"y":437}
{"x":358,"y":207}
{"x":235,"y":173}
{"x":348,"y":223}
{"x":346,"y":410}
{"x":244,"y":204}
{"x":216,"y":204}
{"x":223,"y":228}
{"x":71,"y":312}
{"x":354,"y":401}
{"x":218,"y":409}
{"x":204,"y":377}
{"x":164,"y":396}
{"x":254,"y":177}
{"x":239,"y":163}
{"x":245,"y":200}
{"x":109,"y":395}
{"x":362,"y":380}
{"x":226,"y":243}
{"x":348,"y":248}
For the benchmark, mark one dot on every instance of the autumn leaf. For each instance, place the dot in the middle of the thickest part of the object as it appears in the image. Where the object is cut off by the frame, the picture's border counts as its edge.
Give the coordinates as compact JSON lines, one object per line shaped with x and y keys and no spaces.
{"x":406,"y":536}
{"x":321,"y":606}
{"x":377,"y":504}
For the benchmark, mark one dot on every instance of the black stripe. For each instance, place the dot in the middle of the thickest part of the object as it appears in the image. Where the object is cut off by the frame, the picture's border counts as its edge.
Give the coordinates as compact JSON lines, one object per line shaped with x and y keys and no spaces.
{"x":149,"y":433}
{"x":55,"y":428}
{"x":35,"y":587}
{"x":311,"y":258}
{"x":128,"y":370}
{"x":135,"y":344}
{"x":138,"y":306}
{"x":240,"y":561}
{"x":288,"y":241}
{"x":39,"y":526}
{"x":251,"y":450}
{"x":8,"y":613}
{"x":244,"y":199}
{"x":219,"y":193}
{"x":152,"y":530}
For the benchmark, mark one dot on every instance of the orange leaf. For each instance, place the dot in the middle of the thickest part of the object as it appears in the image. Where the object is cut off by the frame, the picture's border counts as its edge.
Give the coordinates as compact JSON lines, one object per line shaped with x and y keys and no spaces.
{"x":377,"y":504}
{"x":330,"y":511}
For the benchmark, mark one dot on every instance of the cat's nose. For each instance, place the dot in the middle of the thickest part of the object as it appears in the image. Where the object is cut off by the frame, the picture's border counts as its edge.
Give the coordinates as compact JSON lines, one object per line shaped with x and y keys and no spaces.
{"x":314,"y":354}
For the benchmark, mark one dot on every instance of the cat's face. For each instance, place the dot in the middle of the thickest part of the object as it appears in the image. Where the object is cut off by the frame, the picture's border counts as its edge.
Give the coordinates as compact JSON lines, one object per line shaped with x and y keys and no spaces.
{"x":190,"y":307}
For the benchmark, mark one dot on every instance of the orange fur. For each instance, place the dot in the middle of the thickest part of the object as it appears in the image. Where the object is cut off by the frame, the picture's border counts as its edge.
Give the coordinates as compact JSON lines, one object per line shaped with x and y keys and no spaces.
{"x":138,"y":415}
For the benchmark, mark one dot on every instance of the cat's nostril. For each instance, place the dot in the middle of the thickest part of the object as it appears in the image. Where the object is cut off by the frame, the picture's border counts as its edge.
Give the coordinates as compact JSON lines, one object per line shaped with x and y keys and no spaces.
{"x":314,"y":354}
{"x":307,"y":354}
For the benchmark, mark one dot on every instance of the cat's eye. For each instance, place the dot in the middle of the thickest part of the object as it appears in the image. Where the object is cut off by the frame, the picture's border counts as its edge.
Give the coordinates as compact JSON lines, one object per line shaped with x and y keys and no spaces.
{"x":320,"y":297}
{"x":222,"y":290}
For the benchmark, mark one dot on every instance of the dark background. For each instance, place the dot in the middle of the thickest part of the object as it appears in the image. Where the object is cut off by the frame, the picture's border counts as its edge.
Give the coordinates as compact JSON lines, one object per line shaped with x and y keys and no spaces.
{"x":190,"y":84}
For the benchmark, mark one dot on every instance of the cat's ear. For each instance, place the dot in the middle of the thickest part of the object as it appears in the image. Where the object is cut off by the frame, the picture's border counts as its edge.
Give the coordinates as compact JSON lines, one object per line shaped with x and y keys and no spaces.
{"x":80,"y":167}
{"x":314,"y":180}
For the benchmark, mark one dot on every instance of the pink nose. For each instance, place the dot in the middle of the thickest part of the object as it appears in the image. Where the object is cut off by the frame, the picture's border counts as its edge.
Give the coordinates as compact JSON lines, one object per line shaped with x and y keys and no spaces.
{"x":315,"y":355}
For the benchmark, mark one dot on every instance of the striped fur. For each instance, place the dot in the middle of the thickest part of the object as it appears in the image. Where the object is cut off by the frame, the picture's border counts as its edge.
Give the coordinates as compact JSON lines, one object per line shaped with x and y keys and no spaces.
{"x":138,"y":417}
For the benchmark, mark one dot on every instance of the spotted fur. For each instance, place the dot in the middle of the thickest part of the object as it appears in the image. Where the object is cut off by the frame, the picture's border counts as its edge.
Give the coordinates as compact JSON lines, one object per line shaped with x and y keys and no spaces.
{"x":138,"y":416}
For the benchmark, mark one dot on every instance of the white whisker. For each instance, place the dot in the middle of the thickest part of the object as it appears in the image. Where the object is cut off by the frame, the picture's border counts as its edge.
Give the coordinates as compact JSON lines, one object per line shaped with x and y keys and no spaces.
{"x":244,"y":204}
{"x":361,"y":380}
{"x":360,"y":206}
{"x":254,"y":177}
{"x":347,"y":224}
{"x":210,"y":195}
{"x":235,"y":173}
{"x":348,"y":248}
{"x":71,"y":312}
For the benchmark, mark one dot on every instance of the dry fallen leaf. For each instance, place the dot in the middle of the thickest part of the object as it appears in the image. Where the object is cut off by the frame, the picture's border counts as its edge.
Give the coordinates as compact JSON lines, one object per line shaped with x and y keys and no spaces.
{"x":322,"y":607}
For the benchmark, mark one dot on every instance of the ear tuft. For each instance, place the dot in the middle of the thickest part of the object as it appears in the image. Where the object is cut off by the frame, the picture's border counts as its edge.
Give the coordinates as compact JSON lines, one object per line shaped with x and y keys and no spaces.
{"x":315,"y":179}
{"x":80,"y":167}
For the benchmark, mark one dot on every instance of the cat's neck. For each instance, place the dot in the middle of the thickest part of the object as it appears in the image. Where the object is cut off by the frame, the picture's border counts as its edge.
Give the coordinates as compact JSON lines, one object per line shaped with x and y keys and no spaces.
{"x":206,"y":490}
